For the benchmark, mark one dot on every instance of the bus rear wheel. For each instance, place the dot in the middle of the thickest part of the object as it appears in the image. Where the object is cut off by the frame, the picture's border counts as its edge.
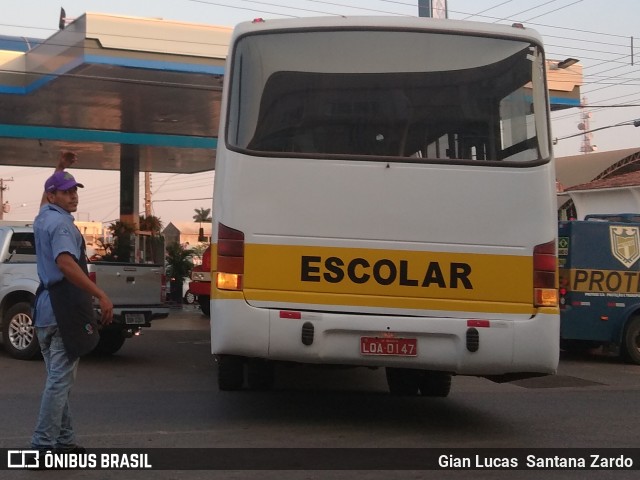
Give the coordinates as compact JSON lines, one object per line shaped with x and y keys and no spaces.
{"x":230,"y":372}
{"x":260,"y":374}
{"x":203,"y":300}
{"x":403,"y":381}
{"x":435,"y":384}
{"x":630,"y":348}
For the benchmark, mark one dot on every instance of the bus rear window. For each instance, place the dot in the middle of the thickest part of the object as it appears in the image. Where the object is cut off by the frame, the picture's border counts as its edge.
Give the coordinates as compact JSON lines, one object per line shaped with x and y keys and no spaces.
{"x":433,"y":104}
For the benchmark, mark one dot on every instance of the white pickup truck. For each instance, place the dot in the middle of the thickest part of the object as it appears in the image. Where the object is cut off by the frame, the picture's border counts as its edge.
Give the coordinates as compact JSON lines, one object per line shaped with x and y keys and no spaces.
{"x":136,"y":290}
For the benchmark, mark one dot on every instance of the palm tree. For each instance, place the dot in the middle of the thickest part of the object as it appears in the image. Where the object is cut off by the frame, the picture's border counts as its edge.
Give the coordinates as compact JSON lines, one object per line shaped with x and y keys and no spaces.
{"x":202,"y":215}
{"x":119,"y":228}
{"x":151,"y":224}
{"x":154,"y":244}
{"x":121,"y":249}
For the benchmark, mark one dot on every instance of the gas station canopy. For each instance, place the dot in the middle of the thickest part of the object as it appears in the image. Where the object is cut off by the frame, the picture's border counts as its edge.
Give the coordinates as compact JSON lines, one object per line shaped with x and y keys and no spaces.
{"x":111,"y":88}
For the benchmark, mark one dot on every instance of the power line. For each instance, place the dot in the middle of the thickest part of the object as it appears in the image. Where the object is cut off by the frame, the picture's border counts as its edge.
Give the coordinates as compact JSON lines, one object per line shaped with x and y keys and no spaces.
{"x":524,"y":11}
{"x":635,"y":123}
{"x":183,"y":200}
{"x":487,"y":9}
{"x":552,"y":11}
{"x":564,"y":28}
{"x":413,"y":5}
{"x":357,"y":8}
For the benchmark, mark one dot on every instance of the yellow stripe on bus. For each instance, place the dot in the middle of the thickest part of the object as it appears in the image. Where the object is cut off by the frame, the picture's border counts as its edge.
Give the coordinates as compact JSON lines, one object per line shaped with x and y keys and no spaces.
{"x":388,"y":278}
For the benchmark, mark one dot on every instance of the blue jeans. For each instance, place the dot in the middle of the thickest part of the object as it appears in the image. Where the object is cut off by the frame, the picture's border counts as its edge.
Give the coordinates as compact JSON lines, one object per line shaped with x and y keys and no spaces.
{"x":54,"y":429}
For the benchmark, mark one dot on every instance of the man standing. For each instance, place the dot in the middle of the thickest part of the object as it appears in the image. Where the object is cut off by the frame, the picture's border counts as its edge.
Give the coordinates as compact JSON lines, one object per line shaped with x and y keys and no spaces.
{"x":60,"y":256}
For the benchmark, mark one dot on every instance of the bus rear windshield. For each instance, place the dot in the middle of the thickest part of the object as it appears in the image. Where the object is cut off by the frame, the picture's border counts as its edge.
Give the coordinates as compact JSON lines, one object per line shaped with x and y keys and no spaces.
{"x":401,"y":95}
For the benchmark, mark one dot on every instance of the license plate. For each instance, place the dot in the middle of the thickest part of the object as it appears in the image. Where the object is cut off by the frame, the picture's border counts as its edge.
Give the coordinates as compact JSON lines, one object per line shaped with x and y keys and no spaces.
{"x":134,"y":319}
{"x":401,"y":347}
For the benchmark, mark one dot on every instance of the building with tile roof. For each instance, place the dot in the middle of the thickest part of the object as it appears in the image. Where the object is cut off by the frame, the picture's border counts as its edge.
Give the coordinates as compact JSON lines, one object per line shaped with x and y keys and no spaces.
{"x":602,"y":182}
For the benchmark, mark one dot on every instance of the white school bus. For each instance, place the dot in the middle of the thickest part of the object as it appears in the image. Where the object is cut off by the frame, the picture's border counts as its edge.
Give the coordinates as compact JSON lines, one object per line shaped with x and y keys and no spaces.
{"x":384,"y":197}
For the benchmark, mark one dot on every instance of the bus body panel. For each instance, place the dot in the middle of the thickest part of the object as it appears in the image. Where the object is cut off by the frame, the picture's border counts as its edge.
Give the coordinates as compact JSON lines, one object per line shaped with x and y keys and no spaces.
{"x":505,"y":346}
{"x":298,"y":223}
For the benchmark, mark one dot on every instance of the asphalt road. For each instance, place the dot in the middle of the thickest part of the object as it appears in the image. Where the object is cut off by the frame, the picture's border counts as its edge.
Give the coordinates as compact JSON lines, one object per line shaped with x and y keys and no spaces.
{"x":160,"y":391}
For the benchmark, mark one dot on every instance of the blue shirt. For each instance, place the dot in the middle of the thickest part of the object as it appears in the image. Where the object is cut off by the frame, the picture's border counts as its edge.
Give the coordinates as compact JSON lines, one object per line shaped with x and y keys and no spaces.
{"x":55,"y":233}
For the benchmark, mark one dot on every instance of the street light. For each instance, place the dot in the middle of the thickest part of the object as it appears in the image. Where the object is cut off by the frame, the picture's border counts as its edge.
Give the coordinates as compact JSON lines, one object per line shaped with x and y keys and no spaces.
{"x":566,"y":63}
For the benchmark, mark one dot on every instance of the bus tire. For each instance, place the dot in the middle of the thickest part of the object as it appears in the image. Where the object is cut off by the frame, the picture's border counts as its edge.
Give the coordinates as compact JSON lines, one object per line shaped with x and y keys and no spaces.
{"x":18,"y":332}
{"x":230,"y":372}
{"x":203,"y":301}
{"x":403,"y":381}
{"x":435,"y":384}
{"x":630,"y":348}
{"x":260,"y":374}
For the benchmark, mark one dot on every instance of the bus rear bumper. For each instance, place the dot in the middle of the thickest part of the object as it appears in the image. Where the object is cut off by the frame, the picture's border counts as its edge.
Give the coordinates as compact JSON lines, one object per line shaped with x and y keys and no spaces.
{"x":456,"y":345}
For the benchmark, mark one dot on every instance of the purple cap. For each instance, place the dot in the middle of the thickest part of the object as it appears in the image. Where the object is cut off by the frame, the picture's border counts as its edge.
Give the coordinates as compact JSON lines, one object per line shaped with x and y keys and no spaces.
{"x":61,"y":181}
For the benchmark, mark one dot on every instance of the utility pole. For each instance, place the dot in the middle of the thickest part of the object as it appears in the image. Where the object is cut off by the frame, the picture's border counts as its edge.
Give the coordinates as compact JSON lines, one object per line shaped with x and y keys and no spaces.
{"x":586,"y":146}
{"x":2,"y":189}
{"x":147,"y":194}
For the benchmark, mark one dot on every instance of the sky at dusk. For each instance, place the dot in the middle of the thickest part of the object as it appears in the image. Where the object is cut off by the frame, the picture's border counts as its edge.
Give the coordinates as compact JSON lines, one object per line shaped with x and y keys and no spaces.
{"x":598,"y":33}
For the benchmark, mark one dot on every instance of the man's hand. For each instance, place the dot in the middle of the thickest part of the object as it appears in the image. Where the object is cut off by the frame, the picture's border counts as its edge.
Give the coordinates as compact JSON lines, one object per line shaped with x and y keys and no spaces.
{"x":106,"y":307}
{"x":66,"y":160}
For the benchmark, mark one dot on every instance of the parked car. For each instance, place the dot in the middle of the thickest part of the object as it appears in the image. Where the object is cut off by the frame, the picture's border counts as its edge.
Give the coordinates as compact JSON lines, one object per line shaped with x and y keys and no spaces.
{"x":187,"y":296}
{"x":134,"y":289}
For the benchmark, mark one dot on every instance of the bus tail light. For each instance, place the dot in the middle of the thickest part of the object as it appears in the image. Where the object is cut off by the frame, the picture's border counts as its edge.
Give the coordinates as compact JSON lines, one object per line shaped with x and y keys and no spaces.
{"x":230,"y":258}
{"x":545,"y":289}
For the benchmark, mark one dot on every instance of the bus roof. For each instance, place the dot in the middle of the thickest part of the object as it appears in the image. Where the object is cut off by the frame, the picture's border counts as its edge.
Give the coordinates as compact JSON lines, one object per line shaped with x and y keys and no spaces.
{"x":388,"y":22}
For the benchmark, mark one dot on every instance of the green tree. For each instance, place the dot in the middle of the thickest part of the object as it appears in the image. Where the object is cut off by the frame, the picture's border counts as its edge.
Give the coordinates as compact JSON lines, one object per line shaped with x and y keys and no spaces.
{"x":179,"y":266}
{"x":119,"y":228}
{"x":151,"y":224}
{"x":199,"y":249}
{"x":202,"y":215}
{"x":121,"y":247}
{"x":153,"y":246}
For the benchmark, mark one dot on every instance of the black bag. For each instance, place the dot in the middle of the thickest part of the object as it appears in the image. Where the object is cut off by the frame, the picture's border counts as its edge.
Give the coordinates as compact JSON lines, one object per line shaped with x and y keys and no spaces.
{"x":76,"y":318}
{"x":75,"y":315}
